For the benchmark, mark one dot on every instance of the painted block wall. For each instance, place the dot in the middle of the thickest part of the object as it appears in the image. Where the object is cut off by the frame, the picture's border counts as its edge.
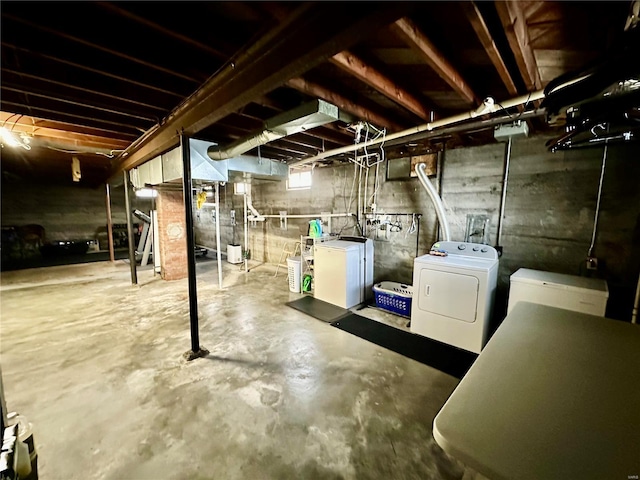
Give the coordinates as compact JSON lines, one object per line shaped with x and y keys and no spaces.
{"x":550,"y":209}
{"x":67,"y":212}
{"x":548,"y":223}
{"x":204,"y":220}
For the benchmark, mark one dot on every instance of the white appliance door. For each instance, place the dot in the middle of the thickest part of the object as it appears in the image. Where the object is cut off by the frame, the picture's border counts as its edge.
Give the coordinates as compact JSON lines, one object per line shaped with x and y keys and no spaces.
{"x":337,"y":276}
{"x":449,"y":294}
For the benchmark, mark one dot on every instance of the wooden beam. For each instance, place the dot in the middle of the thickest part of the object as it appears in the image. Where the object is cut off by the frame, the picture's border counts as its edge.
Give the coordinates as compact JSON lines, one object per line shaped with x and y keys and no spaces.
{"x":34,"y":127}
{"x":73,"y":139}
{"x":409,"y":32}
{"x":35,"y":122}
{"x":60,"y":99}
{"x":314,"y":32}
{"x":92,"y":70}
{"x":514,"y":23}
{"x":343,"y":103}
{"x":327,"y":134}
{"x":69,"y":86}
{"x":58,"y":115}
{"x":100,"y":48}
{"x":311,"y":141}
{"x":366,"y":73}
{"x":292,"y":148}
{"x":484,"y":35}
{"x":170,"y":33}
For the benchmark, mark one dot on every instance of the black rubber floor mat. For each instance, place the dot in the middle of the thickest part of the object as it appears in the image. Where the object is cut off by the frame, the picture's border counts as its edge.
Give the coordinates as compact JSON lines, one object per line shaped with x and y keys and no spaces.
{"x":443,"y":357}
{"x":318,"y":309}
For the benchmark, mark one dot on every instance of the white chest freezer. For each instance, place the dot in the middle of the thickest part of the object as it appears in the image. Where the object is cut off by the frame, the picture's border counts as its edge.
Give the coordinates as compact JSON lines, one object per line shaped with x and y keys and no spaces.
{"x":570,"y":292}
{"x":343,"y":272}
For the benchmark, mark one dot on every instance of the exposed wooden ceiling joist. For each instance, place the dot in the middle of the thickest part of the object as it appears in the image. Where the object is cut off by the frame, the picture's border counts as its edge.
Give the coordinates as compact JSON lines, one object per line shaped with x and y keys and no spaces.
{"x":330,"y":135}
{"x":97,"y":71}
{"x":35,"y":122}
{"x":70,"y":138}
{"x":182,"y":38}
{"x":514,"y":23}
{"x":72,"y":117}
{"x":484,"y":35}
{"x":258,"y":59}
{"x":411,"y":34}
{"x":380,"y":82}
{"x":101,"y":48}
{"x":310,"y":35}
{"x":70,"y":87}
{"x":312,"y":142}
{"x":58,"y":98}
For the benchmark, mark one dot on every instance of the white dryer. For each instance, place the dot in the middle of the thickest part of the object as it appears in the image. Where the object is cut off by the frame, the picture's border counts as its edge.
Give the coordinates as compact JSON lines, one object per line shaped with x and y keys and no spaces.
{"x":453,"y":295}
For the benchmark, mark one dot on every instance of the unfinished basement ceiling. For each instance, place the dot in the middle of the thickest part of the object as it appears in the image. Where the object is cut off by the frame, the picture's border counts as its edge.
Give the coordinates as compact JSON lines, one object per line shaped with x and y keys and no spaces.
{"x":114,"y":83}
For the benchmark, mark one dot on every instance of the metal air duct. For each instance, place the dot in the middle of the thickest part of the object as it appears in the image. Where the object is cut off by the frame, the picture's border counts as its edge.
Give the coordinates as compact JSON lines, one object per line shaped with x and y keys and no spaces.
{"x":305,"y":117}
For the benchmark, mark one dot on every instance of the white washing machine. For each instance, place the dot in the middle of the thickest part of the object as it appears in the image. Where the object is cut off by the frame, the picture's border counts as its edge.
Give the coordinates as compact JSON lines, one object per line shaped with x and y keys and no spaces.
{"x":453,"y":295}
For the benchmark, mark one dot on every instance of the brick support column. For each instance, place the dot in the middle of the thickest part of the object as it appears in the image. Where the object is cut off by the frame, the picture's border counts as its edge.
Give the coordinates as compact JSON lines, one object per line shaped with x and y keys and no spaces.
{"x":173,"y":235}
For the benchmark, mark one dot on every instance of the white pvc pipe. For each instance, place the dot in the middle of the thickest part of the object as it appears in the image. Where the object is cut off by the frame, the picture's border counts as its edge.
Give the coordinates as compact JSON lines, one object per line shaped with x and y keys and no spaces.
{"x":437,"y":203}
{"x":503,"y":197}
{"x":247,"y":197}
{"x":218,"y":256}
{"x":636,"y":303}
{"x":485,"y":108}
{"x":310,"y":215}
{"x":246,"y":234}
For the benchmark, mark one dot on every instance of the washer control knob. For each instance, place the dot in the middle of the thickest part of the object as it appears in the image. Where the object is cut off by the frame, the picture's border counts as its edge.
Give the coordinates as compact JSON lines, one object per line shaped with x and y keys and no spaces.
{"x":484,"y":250}
{"x":475,"y":249}
{"x":462,"y":246}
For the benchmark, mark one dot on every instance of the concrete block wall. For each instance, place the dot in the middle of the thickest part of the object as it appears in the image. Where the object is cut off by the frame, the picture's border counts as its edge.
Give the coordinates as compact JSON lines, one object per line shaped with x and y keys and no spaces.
{"x":205,"y":225}
{"x":172,"y":230}
{"x":549,"y":213}
{"x":333,"y":191}
{"x":71,"y":212}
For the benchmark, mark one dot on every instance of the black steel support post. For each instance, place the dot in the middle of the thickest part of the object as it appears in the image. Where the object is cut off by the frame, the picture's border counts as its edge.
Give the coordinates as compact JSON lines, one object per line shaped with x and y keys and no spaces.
{"x":196,"y":350}
{"x":132,"y":250}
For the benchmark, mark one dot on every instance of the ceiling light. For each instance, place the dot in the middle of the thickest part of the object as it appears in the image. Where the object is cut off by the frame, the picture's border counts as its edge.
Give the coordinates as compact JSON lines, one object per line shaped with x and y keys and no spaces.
{"x":9,"y":139}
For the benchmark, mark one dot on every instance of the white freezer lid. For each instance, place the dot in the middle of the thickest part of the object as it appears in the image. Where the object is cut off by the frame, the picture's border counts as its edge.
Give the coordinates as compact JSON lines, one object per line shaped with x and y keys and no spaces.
{"x":592,"y":286}
{"x":339,"y":244}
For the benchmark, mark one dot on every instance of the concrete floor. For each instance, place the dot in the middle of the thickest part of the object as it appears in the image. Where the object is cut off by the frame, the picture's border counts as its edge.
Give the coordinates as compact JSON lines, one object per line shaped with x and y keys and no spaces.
{"x":97,"y":366}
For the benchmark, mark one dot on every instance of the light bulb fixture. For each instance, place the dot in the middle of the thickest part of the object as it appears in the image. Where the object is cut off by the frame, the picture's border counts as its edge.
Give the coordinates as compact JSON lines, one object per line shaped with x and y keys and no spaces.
{"x":76,"y":175}
{"x":9,"y":139}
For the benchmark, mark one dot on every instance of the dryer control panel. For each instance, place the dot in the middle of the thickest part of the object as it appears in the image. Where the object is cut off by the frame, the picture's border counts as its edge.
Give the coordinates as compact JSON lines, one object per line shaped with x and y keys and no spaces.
{"x":478,"y":250}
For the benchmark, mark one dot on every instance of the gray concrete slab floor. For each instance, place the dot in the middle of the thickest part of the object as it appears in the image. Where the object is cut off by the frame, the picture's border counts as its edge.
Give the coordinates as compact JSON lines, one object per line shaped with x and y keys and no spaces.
{"x":96,"y":364}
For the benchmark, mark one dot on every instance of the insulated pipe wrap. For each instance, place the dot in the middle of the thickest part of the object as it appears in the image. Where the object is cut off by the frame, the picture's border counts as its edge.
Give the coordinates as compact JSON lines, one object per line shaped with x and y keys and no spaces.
{"x":437,"y":203}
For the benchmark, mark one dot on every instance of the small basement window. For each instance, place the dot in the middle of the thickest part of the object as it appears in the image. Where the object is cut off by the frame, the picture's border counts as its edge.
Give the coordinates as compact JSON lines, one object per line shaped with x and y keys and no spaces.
{"x":299,"y":179}
{"x":146,"y":193}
